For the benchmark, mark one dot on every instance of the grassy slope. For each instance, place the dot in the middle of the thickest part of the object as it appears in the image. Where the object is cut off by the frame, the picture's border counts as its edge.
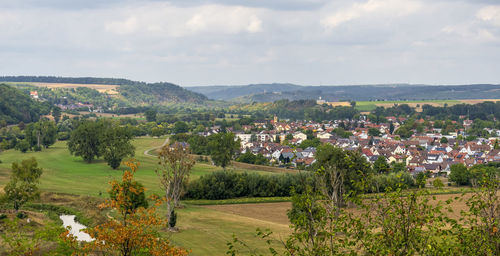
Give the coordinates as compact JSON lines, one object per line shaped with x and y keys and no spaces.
{"x":204,"y":231}
{"x":69,"y":174}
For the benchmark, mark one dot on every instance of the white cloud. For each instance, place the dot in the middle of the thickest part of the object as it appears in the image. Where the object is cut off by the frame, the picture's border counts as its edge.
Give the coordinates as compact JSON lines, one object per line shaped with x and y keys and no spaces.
{"x":385,"y":8}
{"x":167,"y":20}
{"x":249,"y":41}
{"x":490,"y":14}
{"x":127,"y":26}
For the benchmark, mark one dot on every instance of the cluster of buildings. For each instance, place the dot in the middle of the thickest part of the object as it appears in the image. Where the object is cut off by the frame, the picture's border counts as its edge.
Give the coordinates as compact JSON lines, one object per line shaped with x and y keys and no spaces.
{"x":427,"y":151}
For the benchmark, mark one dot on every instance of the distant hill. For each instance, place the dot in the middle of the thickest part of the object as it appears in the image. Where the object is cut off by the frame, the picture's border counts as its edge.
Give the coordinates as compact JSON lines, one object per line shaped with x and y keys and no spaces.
{"x":15,"y":106}
{"x":134,"y":92}
{"x":227,"y":92}
{"x":273,"y":92}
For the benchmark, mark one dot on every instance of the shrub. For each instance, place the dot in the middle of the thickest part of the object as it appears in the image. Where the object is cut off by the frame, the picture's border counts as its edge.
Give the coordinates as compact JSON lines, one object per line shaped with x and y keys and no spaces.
{"x":437,"y":183}
{"x":382,"y":182}
{"x":21,"y":215}
{"x":3,"y":216}
{"x":225,"y":185}
{"x":173,"y":219}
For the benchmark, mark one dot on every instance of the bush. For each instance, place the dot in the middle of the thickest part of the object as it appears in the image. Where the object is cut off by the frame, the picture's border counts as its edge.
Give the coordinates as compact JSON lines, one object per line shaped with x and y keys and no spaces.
{"x":3,"y":216}
{"x":225,"y":185}
{"x":21,"y":215}
{"x":438,"y":183}
{"x":173,"y":219}
{"x":382,"y":182}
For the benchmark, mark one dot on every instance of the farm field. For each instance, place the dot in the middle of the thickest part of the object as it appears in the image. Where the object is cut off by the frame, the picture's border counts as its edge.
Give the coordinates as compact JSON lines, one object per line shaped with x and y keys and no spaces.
{"x":102,"y":88}
{"x":371,"y":105}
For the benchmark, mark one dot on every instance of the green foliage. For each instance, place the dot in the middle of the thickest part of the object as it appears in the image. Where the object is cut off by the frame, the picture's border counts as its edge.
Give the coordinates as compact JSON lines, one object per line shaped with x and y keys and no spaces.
{"x":85,"y":140}
{"x":460,"y":174}
{"x":420,"y":179}
{"x":373,"y":132}
{"x":115,"y":144}
{"x":16,"y":106}
{"x":249,"y":158}
{"x":42,"y":133}
{"x":315,"y":142}
{"x":23,"y":146}
{"x":355,"y":166}
{"x":386,"y":182}
{"x":225,"y":185}
{"x":443,"y":140}
{"x":92,"y":139}
{"x":180,"y":127}
{"x":173,"y":219}
{"x":22,"y":186}
{"x":132,"y":193}
{"x":150,"y":115}
{"x":223,"y":147}
{"x":438,"y":183}
{"x":381,"y":166}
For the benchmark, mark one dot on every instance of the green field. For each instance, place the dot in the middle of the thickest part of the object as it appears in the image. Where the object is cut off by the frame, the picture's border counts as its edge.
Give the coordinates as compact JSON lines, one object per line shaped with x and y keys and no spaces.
{"x":204,"y":231}
{"x":371,"y":105}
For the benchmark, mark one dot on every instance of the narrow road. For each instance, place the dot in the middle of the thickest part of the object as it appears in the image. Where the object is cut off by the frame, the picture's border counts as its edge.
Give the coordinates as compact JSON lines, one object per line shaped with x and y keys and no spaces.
{"x":146,"y":152}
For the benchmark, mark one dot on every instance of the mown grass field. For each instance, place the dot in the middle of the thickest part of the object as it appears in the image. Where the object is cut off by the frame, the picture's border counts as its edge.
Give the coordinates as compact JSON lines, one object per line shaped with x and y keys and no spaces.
{"x":65,"y":173}
{"x":203,"y":230}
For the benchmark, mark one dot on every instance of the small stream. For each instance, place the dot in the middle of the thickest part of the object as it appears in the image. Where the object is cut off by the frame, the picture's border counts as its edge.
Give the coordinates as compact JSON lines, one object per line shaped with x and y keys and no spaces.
{"x":75,"y":228}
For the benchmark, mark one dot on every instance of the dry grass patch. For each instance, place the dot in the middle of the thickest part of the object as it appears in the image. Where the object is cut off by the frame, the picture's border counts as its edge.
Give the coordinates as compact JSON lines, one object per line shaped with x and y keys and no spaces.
{"x":478,"y":101}
{"x":271,"y":212}
{"x":102,"y":88}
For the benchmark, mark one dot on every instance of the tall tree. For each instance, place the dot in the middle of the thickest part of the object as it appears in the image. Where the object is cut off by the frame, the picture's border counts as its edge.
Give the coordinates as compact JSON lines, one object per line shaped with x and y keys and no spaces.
{"x":56,"y":113}
{"x":350,"y":166}
{"x":22,"y":186}
{"x":175,"y":167}
{"x":42,"y":133}
{"x":85,"y":140}
{"x":115,"y":144}
{"x":223,"y":147}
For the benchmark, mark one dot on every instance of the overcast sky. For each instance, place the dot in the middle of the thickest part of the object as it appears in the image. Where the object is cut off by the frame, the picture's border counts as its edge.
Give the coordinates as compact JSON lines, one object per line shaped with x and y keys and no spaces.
{"x":202,"y":42}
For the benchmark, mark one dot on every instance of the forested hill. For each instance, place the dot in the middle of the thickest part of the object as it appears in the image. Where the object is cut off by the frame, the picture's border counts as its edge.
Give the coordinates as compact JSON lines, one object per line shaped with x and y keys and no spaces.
{"x":133,"y":91}
{"x":15,"y":106}
{"x":227,"y":92}
{"x":273,"y":92}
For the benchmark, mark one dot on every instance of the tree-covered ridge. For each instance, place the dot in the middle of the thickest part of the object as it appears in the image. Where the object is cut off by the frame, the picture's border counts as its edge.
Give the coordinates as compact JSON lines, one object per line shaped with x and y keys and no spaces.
{"x":71,"y":80}
{"x":16,"y":106}
{"x":158,"y":92}
{"x":133,"y":92}
{"x":274,"y":92}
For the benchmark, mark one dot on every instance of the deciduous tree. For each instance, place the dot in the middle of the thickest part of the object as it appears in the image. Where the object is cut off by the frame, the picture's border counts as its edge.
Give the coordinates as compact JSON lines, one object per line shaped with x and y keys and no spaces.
{"x":223,"y":147}
{"x":22,"y":186}
{"x":175,"y":166}
{"x":115,"y":144}
{"x":134,"y":231}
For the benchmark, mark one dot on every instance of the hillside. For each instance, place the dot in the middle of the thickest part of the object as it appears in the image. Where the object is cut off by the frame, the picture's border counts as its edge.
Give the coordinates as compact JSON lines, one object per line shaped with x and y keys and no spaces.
{"x":227,"y":92}
{"x":133,"y":93}
{"x":273,"y":92}
{"x":15,"y":106}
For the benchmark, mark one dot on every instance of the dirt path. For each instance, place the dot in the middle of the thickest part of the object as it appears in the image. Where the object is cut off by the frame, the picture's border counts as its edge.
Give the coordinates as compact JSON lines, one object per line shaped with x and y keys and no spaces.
{"x":146,"y":152}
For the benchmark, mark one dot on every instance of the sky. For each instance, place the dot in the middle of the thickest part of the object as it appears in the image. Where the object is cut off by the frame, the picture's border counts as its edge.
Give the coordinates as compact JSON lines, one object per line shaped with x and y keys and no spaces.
{"x":229,"y":42}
